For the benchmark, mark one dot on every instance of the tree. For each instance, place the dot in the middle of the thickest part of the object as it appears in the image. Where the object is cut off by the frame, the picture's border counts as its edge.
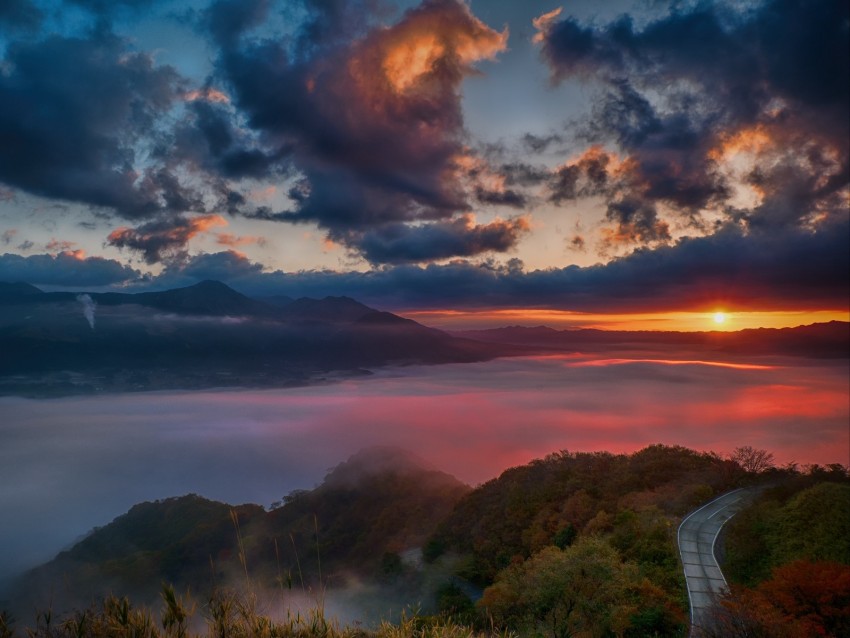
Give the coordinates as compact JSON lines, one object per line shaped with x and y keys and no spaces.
{"x":801,"y":600}
{"x":565,"y":536}
{"x":815,"y":525}
{"x":752,"y":460}
{"x":585,"y":589}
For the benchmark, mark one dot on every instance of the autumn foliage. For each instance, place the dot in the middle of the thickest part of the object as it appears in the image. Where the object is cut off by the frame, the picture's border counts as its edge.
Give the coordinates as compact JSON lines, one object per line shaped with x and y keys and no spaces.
{"x":801,"y":599}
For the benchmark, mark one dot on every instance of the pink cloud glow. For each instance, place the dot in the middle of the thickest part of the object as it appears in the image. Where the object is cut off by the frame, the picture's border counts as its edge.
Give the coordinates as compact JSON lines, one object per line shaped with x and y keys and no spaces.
{"x":87,"y":460}
{"x":671,"y":362}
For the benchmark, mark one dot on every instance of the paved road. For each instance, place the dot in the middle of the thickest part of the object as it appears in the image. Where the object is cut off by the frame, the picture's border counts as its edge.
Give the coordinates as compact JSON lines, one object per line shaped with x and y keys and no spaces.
{"x":697,"y":537}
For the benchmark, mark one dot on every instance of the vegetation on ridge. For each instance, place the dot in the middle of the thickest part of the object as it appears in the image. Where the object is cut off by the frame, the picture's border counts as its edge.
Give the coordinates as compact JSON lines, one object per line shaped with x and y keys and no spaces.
{"x":576,"y":544}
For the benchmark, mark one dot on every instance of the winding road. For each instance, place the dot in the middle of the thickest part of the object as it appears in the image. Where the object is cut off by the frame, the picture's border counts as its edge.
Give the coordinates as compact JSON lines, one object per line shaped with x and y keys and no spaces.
{"x":697,"y":537}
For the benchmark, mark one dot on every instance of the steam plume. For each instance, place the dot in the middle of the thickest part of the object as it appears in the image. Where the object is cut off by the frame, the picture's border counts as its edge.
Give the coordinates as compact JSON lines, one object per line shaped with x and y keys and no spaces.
{"x":88,"y":308}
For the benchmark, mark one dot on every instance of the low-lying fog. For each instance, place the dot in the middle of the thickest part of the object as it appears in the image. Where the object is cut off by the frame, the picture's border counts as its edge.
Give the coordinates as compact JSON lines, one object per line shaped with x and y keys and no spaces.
{"x":67,"y":465}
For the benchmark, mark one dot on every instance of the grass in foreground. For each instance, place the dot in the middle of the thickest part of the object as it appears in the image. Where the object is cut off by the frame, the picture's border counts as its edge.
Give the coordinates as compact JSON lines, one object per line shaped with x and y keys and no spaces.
{"x":225,"y":615}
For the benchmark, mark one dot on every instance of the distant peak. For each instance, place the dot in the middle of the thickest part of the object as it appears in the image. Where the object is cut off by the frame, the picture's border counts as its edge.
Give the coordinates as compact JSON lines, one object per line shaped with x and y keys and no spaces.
{"x":332,"y":309}
{"x":376,"y":460}
{"x":19,"y":288}
{"x":210,"y":284}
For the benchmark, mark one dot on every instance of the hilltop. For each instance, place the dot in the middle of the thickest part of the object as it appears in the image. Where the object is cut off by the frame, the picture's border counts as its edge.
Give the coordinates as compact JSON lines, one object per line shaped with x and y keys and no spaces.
{"x":583,"y":542}
{"x":380,"y":502}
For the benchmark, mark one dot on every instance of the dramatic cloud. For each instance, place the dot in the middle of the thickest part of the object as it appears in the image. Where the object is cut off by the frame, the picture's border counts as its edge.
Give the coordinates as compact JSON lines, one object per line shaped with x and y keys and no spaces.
{"x":20,"y":14}
{"x":743,"y":113}
{"x":229,"y":239}
{"x":108,"y":6}
{"x":398,"y":243}
{"x":694,"y":119}
{"x":208,"y":140}
{"x":374,"y":123}
{"x":597,"y":172}
{"x":59,"y":245}
{"x":228,"y":265}
{"x":791,"y":268}
{"x":163,"y":239}
{"x":72,"y":111}
{"x":65,"y":269}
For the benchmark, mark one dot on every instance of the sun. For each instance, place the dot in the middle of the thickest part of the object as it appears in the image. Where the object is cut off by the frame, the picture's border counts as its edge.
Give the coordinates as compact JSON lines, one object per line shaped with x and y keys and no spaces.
{"x":719,"y":317}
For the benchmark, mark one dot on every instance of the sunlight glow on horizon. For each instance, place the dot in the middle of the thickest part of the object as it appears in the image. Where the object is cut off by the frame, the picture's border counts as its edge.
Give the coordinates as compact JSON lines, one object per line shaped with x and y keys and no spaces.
{"x":601,"y":363}
{"x":653,"y":321}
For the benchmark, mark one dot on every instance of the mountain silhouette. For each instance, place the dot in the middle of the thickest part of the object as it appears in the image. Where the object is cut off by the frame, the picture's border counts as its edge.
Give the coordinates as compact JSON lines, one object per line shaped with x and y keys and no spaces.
{"x":205,"y":335}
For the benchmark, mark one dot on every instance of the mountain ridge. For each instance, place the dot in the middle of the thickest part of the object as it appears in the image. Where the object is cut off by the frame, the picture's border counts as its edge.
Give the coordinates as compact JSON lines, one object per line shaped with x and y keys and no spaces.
{"x":202,"y":336}
{"x":393,"y":506}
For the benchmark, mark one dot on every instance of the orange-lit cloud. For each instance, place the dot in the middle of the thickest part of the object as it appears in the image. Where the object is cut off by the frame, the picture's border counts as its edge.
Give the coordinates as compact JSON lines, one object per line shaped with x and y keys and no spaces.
{"x":264,"y":194}
{"x":208,"y":94}
{"x":628,"y":233}
{"x":412,"y":50}
{"x":543,"y":23}
{"x":160,"y":239}
{"x":377,"y":126}
{"x":751,"y":139}
{"x":489,"y":185}
{"x":59,"y":245}
{"x":79,"y":254}
{"x":231,"y":240}
{"x":631,"y":216}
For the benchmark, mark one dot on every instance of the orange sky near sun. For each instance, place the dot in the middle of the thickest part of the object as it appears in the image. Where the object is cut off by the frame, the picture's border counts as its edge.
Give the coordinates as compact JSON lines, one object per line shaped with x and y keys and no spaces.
{"x":678,"y":321}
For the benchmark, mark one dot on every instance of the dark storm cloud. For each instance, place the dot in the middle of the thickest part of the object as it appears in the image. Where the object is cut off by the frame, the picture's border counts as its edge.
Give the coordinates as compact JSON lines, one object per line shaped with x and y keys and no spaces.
{"x":20,"y":14}
{"x":540,"y":144}
{"x":64,"y":269}
{"x":670,"y":152}
{"x":72,"y":111}
{"x":227,"y":20}
{"x":108,"y":6}
{"x":522,"y":174}
{"x":779,"y":69}
{"x":163,"y":239}
{"x":504,"y":197}
{"x":337,"y":21}
{"x":637,"y":222}
{"x":222,"y":266}
{"x":229,"y":266}
{"x":208,"y":139}
{"x":400,"y":243}
{"x":374,"y":122}
{"x":587,"y":176}
{"x":788,"y":268}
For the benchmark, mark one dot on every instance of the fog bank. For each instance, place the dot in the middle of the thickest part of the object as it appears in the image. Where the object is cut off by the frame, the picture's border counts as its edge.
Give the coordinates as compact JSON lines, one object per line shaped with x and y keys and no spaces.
{"x":69,"y":464}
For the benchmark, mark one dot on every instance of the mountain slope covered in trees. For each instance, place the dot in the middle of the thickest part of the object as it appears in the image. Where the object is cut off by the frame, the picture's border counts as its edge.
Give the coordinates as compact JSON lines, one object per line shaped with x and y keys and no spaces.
{"x":575,"y":544}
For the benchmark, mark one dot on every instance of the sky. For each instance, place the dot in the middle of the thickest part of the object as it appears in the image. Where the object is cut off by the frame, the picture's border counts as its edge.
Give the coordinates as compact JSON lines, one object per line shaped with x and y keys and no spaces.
{"x":613,"y":160}
{"x":85,"y":460}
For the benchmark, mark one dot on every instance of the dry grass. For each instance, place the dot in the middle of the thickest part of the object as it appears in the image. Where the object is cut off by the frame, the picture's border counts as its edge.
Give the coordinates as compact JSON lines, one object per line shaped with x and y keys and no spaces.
{"x":226,"y":614}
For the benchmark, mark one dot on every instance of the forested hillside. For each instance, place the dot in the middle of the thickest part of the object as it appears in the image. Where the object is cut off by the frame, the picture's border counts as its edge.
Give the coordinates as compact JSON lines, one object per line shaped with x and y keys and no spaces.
{"x":378,"y":503}
{"x":580,"y":540}
{"x":575,"y":544}
{"x":787,"y":558}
